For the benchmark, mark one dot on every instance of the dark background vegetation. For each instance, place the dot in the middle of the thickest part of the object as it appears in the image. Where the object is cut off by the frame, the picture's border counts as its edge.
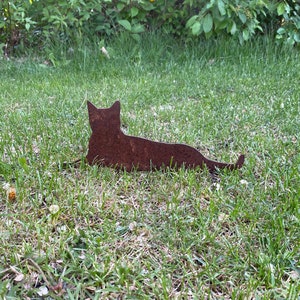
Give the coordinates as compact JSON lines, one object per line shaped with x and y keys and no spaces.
{"x":32,"y":23}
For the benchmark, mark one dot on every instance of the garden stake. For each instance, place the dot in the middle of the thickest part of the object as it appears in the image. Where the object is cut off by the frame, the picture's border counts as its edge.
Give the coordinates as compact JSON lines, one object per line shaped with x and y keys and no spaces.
{"x":110,"y":147}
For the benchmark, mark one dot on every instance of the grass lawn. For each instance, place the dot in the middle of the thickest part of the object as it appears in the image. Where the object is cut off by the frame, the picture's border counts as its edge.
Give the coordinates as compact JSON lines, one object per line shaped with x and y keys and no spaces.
{"x":96,"y":233}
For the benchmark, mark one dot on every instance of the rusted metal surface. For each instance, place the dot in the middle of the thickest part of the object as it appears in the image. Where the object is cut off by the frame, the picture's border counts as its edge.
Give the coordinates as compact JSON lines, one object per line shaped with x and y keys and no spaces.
{"x":109,"y":146}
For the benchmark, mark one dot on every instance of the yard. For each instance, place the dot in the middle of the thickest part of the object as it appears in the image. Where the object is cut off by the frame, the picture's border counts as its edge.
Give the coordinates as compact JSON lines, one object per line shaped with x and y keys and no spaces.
{"x":87,"y":232}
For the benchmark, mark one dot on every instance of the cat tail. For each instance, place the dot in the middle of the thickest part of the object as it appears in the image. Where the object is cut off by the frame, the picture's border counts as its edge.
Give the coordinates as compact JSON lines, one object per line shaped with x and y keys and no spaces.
{"x":214,"y":165}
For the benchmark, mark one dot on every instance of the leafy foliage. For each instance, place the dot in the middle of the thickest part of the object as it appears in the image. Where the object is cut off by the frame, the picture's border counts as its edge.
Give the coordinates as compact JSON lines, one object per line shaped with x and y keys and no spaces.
{"x":40,"y":23}
{"x":290,"y":22}
{"x":14,"y":22}
{"x":239,"y":19}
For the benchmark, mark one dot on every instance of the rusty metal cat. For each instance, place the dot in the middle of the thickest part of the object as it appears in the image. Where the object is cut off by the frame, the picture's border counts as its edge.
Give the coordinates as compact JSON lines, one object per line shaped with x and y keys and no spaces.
{"x":109,"y":146}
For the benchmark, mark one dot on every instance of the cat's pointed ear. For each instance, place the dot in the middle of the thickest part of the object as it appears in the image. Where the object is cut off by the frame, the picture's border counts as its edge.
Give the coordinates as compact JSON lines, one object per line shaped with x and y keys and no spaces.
{"x":92,"y":109}
{"x":116,"y":106}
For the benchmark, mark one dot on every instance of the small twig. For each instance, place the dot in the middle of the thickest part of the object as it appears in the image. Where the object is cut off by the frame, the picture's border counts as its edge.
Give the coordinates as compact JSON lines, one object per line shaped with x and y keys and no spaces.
{"x":12,"y":268}
{"x":36,"y":266}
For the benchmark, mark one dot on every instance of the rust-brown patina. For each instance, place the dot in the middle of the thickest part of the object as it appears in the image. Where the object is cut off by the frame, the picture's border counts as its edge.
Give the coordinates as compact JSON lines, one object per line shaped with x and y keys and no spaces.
{"x":109,"y":146}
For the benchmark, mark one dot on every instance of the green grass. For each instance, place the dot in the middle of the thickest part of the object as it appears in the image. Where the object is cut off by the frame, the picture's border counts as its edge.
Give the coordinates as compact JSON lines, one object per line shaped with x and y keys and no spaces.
{"x":157,"y":235}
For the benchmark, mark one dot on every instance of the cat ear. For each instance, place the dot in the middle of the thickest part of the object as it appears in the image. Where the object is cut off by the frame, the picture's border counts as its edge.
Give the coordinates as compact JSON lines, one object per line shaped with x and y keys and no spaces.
{"x":92,"y":109}
{"x":116,"y":106}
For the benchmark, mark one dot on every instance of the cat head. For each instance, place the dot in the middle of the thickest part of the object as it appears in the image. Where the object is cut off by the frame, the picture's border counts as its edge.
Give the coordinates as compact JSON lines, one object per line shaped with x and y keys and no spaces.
{"x":104,"y":118}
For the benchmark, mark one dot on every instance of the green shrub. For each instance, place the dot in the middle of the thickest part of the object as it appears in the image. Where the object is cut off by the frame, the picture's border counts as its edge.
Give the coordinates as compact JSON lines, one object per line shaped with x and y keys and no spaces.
{"x":33,"y":23}
{"x":289,"y":13}
{"x":238,"y":18}
{"x":14,"y":22}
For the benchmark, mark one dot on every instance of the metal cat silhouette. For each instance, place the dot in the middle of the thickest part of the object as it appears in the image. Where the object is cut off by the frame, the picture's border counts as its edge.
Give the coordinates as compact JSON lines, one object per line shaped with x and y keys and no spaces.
{"x":110,"y":147}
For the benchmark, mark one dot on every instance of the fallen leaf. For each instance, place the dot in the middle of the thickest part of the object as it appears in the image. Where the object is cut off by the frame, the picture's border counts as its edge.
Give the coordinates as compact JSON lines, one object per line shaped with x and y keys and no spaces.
{"x":19,"y":277}
{"x":244,"y":182}
{"x":91,"y":288}
{"x":81,"y":256}
{"x":11,"y":194}
{"x":217,"y":186}
{"x":58,"y":287}
{"x":42,"y":291}
{"x":132,"y":226}
{"x":222,"y":217}
{"x":6,"y":186}
{"x":35,"y":148}
{"x":294,"y":275}
{"x":104,"y":51}
{"x":53,"y":209}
